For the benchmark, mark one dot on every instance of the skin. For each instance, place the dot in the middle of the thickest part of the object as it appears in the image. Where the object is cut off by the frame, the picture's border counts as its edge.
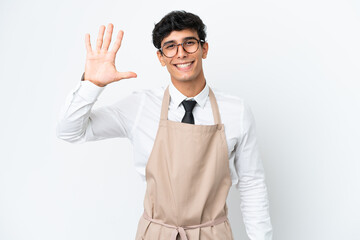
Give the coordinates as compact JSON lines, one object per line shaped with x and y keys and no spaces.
{"x":191,"y":81}
{"x":100,"y":63}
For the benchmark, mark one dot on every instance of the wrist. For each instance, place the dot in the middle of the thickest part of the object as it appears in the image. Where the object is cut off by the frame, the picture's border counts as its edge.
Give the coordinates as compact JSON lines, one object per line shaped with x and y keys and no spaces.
{"x":94,"y":82}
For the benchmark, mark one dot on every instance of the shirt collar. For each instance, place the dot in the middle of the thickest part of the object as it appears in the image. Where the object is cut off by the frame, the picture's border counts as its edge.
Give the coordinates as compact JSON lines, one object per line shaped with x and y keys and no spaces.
{"x":176,"y":97}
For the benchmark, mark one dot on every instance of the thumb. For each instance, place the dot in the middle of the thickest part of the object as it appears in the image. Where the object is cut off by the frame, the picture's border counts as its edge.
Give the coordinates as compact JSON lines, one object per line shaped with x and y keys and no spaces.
{"x":125,"y":75}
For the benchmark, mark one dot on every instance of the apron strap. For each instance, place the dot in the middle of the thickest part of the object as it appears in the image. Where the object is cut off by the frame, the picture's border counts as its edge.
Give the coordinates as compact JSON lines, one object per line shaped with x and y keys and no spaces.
{"x":181,"y":230}
{"x":166,"y":101}
{"x":215,"y":107}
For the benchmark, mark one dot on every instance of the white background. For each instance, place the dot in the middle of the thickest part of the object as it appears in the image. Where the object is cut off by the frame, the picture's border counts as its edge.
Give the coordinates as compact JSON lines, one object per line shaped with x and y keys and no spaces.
{"x":295,"y":62}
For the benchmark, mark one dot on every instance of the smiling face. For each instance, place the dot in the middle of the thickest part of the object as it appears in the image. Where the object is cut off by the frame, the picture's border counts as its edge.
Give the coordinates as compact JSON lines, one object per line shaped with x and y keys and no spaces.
{"x":184,"y":66}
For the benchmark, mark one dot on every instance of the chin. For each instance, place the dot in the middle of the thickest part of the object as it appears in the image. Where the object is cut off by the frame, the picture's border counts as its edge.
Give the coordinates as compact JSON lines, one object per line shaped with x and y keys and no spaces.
{"x":183,"y":79}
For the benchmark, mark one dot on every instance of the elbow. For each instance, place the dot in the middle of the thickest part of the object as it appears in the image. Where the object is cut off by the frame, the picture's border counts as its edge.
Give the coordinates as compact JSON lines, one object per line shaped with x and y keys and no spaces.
{"x":70,"y":137}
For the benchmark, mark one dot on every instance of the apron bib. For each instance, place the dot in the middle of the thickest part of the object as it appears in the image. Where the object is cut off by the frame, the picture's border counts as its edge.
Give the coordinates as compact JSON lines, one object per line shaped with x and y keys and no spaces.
{"x":188,"y":181}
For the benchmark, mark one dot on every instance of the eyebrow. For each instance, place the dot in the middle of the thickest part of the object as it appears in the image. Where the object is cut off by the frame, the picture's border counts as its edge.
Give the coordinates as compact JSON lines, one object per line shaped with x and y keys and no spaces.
{"x":184,"y":39}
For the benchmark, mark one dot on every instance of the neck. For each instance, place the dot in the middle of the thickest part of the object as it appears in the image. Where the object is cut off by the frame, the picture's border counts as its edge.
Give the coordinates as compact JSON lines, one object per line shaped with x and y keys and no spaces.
{"x":190,"y":88}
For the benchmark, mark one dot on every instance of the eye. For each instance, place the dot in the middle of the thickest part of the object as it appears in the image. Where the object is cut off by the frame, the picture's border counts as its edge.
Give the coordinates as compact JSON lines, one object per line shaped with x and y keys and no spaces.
{"x":190,"y":42}
{"x":170,"y":46}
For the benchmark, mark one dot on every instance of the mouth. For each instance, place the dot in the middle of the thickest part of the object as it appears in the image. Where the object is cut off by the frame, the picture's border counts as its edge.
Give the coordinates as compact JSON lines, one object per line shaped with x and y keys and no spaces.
{"x":184,"y":66}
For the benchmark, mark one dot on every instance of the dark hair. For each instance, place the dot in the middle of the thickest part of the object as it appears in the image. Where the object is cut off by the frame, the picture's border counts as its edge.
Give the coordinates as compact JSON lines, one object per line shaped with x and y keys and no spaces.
{"x":177,"y":21}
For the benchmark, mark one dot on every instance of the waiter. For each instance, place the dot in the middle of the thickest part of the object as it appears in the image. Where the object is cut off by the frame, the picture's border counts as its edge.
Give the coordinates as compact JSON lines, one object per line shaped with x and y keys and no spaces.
{"x":191,"y":143}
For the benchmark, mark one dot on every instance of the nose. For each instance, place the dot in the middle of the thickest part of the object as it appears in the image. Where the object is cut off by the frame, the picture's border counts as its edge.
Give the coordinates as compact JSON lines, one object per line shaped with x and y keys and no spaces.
{"x":181,"y":53}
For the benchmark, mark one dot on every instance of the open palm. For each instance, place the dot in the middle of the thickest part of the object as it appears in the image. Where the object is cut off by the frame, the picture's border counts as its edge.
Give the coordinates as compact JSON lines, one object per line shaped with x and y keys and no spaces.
{"x":100,"y":63}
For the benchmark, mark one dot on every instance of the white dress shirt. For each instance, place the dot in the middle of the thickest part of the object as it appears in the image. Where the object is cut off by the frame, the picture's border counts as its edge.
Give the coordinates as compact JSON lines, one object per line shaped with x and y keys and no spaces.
{"x":137,"y":117}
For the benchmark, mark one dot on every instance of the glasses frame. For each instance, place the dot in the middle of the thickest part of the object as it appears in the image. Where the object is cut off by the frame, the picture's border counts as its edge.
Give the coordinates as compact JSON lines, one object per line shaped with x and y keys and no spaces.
{"x":199,"y":41}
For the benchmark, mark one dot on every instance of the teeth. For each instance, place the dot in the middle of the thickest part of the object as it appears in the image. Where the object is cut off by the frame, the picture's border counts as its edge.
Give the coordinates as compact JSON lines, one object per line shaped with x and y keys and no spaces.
{"x":183,"y":65}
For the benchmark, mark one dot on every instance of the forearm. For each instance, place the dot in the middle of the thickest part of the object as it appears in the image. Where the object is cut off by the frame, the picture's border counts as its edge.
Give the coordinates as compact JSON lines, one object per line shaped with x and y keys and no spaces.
{"x":74,"y":123}
{"x":255,"y":207}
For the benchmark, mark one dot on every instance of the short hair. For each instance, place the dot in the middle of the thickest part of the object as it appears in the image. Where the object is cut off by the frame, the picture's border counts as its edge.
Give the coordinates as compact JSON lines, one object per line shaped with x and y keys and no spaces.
{"x":177,"y":21}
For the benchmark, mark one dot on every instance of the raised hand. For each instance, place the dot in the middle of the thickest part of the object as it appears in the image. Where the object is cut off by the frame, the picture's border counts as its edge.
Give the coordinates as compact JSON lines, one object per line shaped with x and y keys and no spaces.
{"x":100,"y":63}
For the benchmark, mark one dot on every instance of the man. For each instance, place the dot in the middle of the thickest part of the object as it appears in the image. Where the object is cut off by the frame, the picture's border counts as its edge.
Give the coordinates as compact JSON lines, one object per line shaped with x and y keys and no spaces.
{"x":191,"y":144}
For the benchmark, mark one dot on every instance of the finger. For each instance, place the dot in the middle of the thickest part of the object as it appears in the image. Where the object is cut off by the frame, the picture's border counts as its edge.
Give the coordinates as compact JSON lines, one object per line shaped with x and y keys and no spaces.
{"x":107,"y":39}
{"x":125,"y":75}
{"x":99,"y":40}
{"x":87,"y":43}
{"x":117,"y":42}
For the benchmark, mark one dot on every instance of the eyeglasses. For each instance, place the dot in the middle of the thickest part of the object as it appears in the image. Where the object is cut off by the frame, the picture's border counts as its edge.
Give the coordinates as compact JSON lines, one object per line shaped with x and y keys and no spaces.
{"x":189,"y":46}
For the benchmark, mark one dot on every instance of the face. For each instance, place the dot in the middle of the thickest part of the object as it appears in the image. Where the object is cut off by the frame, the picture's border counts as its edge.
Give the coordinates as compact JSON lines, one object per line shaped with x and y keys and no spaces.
{"x":178,"y":66}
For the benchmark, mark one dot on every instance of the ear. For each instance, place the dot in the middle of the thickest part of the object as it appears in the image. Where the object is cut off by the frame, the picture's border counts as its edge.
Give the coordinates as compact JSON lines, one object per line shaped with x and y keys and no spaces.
{"x":161,"y":58}
{"x":205,"y":49}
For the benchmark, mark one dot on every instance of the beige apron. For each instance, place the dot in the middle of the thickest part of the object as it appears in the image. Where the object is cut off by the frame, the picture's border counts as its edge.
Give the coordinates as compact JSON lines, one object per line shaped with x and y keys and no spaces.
{"x":188,"y":181}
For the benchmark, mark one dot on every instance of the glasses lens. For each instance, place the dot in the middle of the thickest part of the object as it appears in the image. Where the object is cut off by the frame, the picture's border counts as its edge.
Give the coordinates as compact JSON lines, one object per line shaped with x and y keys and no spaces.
{"x":170,"y":50}
{"x":191,"y":45}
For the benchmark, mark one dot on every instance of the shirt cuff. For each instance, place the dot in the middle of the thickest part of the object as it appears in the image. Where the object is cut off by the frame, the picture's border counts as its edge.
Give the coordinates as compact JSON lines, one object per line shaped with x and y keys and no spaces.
{"x":89,"y":91}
